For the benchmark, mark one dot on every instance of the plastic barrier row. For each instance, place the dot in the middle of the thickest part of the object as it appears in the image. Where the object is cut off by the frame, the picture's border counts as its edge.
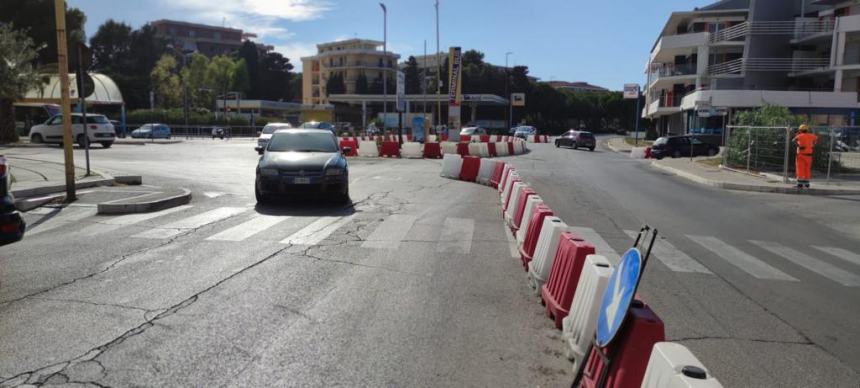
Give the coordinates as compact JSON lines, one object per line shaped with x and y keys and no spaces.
{"x":571,"y":281}
{"x":430,"y":150}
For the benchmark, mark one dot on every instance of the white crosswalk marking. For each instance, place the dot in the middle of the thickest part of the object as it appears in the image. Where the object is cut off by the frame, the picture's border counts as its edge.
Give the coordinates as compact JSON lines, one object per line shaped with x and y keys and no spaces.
{"x":257,"y":224}
{"x":844,"y":254}
{"x":114,"y":223}
{"x":740,"y":259}
{"x":62,"y":216}
{"x":512,"y":241}
{"x":822,"y":268}
{"x":601,"y":247}
{"x":174,"y":228}
{"x":317,"y":231}
{"x":672,"y":257}
{"x":456,"y":236}
{"x":390,"y":232}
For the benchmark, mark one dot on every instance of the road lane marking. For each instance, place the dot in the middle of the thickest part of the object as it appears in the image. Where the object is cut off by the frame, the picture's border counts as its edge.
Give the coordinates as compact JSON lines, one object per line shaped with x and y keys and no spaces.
{"x":827,"y":270}
{"x":512,"y":241}
{"x":741,"y":259}
{"x":672,"y":257}
{"x":843,"y":254}
{"x":390,"y":232}
{"x":114,"y":223}
{"x":601,"y":247}
{"x":257,"y":224}
{"x":177,"y":227}
{"x":317,"y":231}
{"x":456,"y":236}
{"x":63,"y":216}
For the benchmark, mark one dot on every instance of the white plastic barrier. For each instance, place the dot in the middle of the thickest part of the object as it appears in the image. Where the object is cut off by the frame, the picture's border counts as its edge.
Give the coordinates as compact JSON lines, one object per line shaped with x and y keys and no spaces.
{"x":476,"y":138}
{"x":404,"y":139}
{"x":485,"y":172}
{"x":531,"y":204}
{"x":368,"y":148}
{"x":519,"y":147}
{"x":512,"y":202}
{"x":412,"y":150}
{"x":474,"y":149}
{"x":509,"y":184}
{"x":449,"y":147}
{"x":531,"y":138}
{"x":638,"y":152}
{"x":673,"y":366}
{"x":431,"y":139}
{"x":484,"y":150}
{"x":451,"y":164}
{"x":505,"y":171}
{"x":579,"y":325}
{"x":502,"y":149}
{"x":545,"y":249}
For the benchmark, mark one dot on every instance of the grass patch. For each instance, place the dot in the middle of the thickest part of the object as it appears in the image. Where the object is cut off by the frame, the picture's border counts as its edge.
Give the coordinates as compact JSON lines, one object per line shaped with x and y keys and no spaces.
{"x":642,"y":141}
{"x":711,"y":162}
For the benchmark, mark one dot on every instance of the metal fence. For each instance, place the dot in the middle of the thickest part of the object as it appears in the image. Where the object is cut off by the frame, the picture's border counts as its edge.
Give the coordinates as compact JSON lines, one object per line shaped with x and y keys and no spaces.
{"x":836,"y":155}
{"x":204,"y":131}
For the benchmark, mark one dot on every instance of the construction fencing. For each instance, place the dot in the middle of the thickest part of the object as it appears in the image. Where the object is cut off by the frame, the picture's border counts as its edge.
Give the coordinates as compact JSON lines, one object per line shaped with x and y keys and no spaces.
{"x":836,"y":155}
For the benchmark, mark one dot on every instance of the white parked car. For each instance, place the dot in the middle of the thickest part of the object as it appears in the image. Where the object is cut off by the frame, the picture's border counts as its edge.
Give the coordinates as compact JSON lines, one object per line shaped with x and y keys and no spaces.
{"x":268,"y":130}
{"x":99,"y":129}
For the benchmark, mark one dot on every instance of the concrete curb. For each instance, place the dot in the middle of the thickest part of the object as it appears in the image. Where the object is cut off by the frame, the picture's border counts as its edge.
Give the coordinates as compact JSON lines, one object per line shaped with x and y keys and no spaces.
{"x":130,"y":180}
{"x":748,"y":187}
{"x":145,"y":207}
{"x":28,"y":204}
{"x":619,"y":150}
{"x":146,"y":141}
{"x":45,"y":190}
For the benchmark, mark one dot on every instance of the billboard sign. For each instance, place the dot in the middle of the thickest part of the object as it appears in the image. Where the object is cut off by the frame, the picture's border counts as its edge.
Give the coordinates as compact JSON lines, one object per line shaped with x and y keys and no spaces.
{"x":401,"y":91}
{"x":631,"y":91}
{"x":454,"y":78}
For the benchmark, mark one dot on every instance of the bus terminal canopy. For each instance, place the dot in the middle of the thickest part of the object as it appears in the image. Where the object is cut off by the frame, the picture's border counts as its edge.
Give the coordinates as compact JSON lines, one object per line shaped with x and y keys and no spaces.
{"x":105,"y":91}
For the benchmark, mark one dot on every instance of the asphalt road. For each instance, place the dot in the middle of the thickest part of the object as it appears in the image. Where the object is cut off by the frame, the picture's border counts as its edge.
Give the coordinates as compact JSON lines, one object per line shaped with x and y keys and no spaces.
{"x":414,"y":284}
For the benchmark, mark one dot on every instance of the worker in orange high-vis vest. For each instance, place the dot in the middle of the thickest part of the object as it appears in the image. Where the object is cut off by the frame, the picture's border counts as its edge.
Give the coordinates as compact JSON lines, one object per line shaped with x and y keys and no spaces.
{"x":805,"y":142}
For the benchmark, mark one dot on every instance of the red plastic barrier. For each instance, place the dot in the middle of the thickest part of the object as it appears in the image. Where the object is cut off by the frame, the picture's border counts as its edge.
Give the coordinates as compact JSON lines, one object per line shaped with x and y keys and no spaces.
{"x":499,"y":138}
{"x":504,"y":178}
{"x":537,"y":138}
{"x":465,"y":138}
{"x":352,"y":144}
{"x":432,"y":151}
{"x":463,"y":149}
{"x":647,"y":152}
{"x":444,"y":137}
{"x":527,"y":250}
{"x":511,"y":148}
{"x":629,"y":351}
{"x":408,"y":137}
{"x":485,"y":138}
{"x":558,"y":291}
{"x":491,"y":148}
{"x":510,"y":193}
{"x":545,"y":138}
{"x":469,"y":170}
{"x":497,"y":174}
{"x":390,"y":148}
{"x":525,"y":193}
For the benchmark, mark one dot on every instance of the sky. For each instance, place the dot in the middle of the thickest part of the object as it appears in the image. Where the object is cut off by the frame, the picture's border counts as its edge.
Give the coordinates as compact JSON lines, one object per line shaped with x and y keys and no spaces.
{"x":604,"y":42}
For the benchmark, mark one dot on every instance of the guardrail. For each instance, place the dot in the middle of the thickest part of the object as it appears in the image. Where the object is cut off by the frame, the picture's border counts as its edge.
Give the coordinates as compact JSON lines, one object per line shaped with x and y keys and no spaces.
{"x":792,"y":65}
{"x":799,"y":29}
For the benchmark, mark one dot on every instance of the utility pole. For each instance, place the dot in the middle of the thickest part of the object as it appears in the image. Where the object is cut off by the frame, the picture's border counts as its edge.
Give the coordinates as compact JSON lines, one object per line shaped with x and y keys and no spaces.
{"x":65,"y":101}
{"x":424,"y":79}
{"x":385,"y":65}
{"x":510,"y":110}
{"x":83,"y":104}
{"x":438,"y":73}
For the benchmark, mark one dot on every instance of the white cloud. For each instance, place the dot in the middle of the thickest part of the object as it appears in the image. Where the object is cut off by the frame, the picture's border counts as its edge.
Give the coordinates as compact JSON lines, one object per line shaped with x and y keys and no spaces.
{"x":295,"y":51}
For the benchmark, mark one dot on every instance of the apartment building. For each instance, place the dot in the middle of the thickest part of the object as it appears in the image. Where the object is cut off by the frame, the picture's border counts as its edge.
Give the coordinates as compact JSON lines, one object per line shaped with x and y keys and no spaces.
{"x":733,"y":55}
{"x":349,"y":59}
{"x":577,"y":87}
{"x":205,"y":39}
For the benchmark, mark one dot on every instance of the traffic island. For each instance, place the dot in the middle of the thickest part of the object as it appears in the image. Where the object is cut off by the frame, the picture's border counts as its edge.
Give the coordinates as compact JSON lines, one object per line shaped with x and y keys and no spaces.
{"x":143,"y":199}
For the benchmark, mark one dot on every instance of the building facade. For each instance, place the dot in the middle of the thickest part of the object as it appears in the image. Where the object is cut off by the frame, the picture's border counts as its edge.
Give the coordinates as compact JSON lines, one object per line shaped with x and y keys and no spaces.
{"x":207,"y":40}
{"x":576,"y":86}
{"x":734,"y":55}
{"x":348,"y":59}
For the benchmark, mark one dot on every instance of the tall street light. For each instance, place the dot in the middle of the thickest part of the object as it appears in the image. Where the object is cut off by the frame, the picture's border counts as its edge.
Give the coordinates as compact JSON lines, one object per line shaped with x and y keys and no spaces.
{"x":438,"y":71}
{"x":507,"y":92}
{"x":385,"y":65}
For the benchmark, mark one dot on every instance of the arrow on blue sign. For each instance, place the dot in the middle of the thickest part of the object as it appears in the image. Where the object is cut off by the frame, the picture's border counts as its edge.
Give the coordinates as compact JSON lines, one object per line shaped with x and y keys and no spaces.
{"x":618,"y":295}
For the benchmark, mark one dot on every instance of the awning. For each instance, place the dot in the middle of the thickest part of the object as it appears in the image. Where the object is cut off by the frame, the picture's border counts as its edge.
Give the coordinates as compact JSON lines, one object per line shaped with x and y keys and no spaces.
{"x":105,"y":92}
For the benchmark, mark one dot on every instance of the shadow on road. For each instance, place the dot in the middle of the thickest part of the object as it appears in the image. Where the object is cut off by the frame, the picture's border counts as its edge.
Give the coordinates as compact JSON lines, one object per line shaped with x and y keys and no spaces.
{"x":312,"y":207}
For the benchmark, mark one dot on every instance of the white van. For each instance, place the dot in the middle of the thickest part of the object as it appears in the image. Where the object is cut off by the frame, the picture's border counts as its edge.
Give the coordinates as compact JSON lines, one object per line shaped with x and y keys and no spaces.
{"x":99,"y":129}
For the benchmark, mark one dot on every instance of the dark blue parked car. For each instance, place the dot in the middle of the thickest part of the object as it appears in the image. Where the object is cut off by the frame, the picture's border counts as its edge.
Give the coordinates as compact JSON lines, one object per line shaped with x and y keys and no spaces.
{"x":152,"y":131}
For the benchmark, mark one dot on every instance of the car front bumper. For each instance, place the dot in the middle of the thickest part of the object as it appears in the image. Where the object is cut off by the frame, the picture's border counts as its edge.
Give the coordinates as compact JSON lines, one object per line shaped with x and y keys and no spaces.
{"x":289,"y":185}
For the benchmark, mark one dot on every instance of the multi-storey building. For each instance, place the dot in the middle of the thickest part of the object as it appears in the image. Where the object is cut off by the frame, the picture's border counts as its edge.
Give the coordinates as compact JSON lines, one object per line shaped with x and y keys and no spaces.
{"x":205,"y":39}
{"x":348,"y":59}
{"x":732,"y":55}
{"x":577,"y":87}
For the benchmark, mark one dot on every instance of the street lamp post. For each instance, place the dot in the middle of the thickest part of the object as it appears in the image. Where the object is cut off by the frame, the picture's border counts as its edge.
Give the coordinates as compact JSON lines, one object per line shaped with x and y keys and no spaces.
{"x":385,"y":65}
{"x":510,"y":109}
{"x":438,"y":72}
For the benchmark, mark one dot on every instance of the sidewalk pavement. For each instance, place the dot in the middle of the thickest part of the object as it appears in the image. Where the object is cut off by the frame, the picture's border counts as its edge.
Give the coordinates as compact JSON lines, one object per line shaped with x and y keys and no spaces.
{"x":38,"y":182}
{"x":731,"y":180}
{"x":618,"y":144}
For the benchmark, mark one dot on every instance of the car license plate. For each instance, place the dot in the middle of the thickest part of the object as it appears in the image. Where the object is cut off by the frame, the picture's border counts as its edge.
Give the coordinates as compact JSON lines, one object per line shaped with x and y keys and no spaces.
{"x":302,"y":181}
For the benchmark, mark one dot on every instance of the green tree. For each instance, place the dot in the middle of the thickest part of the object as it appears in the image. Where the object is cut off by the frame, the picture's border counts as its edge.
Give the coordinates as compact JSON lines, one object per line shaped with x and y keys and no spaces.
{"x":36,"y":18}
{"x":221,"y":74}
{"x":413,"y":78}
{"x":241,"y":77}
{"x":295,"y":88}
{"x":251,"y":56}
{"x":130,"y":68}
{"x":165,"y":82}
{"x":17,"y":76}
{"x":110,"y":45}
{"x":361,"y":86}
{"x":276,"y":80}
{"x":768,"y":116}
{"x":195,"y":78}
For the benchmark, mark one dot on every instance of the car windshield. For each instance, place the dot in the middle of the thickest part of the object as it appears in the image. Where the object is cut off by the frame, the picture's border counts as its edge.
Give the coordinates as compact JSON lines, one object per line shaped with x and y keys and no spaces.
{"x":661,"y":141}
{"x":300,"y":141}
{"x":315,"y":125}
{"x":97,"y":120}
{"x":586,"y":134}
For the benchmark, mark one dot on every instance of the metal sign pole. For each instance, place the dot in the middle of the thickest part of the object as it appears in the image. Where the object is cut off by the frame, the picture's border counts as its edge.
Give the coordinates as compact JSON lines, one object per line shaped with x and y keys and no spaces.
{"x":83,"y":104}
{"x":63,"y":70}
{"x":636,"y":115}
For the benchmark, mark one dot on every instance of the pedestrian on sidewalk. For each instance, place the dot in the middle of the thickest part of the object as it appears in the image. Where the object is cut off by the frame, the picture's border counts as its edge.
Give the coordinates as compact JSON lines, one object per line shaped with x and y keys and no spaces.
{"x":805,"y":142}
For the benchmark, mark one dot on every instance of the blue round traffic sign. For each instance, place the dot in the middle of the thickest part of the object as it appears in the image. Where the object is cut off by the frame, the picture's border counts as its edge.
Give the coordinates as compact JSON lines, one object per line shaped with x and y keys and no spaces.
{"x":618,"y":295}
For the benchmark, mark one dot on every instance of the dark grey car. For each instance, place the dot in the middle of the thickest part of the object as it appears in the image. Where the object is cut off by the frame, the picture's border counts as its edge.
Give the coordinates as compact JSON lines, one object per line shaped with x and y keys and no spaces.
{"x":299,"y":162}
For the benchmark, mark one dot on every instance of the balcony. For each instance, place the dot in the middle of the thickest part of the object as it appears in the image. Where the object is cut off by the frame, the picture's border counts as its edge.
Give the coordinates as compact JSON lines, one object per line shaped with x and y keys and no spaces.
{"x":669,"y":46}
{"x":810,"y":28}
{"x":727,"y":69}
{"x":739,"y":67}
{"x":731,"y":34}
{"x":672,"y":72}
{"x":800,"y":29}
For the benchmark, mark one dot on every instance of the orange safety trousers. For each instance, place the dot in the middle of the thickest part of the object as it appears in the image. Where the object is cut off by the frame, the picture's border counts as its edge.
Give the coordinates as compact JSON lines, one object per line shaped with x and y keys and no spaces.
{"x":803,"y":167}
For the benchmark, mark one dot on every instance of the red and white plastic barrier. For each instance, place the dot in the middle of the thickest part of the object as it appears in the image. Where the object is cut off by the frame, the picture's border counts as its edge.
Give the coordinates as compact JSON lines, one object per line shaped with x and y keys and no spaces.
{"x":531,"y":206}
{"x":485,"y":173}
{"x":510,"y":205}
{"x":368,"y":149}
{"x":581,"y":322}
{"x":517,"y":217}
{"x":449,"y":147}
{"x":508,"y":191}
{"x":532,"y":232}
{"x":557,"y":293}
{"x":544,"y":253}
{"x":412,"y":151}
{"x":498,"y":171}
{"x":673,"y":366}
{"x":451,"y":165}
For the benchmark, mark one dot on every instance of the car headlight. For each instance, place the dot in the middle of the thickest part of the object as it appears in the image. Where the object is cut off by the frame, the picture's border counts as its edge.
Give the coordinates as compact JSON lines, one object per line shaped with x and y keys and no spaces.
{"x":334,"y":172}
{"x":269,"y":171}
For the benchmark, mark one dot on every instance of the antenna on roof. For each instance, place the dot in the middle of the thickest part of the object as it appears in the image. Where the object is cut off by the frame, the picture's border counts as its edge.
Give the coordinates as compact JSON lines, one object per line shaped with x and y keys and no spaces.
{"x":224,"y":21}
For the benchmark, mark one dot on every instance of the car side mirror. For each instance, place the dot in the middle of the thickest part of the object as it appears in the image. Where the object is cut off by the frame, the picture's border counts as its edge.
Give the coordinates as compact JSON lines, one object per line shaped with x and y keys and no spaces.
{"x":259,"y":150}
{"x":346,"y":150}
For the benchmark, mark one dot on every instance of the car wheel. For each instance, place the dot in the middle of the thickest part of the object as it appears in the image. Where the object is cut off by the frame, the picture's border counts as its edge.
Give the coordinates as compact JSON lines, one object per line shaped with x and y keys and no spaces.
{"x":81,"y":140}
{"x":591,"y":149}
{"x":106,"y":144}
{"x":676,"y":154}
{"x":261,"y":198}
{"x":556,"y":144}
{"x":36,"y":139}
